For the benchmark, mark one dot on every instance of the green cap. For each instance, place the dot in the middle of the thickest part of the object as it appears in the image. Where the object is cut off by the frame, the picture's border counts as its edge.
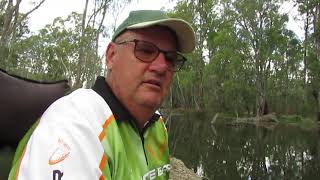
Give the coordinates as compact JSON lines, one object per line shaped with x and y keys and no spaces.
{"x":146,"y":18}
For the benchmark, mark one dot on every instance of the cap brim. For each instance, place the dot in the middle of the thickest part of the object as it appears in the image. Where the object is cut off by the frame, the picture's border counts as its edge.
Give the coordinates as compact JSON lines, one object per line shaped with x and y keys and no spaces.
{"x":183,"y":30}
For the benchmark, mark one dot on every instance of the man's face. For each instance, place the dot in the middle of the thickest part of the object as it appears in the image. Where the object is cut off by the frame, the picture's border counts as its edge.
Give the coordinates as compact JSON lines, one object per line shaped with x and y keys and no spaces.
{"x":138,"y":83}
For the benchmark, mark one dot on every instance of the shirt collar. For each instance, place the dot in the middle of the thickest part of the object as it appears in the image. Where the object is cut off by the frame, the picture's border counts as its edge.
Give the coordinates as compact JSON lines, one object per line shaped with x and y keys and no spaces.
{"x":119,"y":111}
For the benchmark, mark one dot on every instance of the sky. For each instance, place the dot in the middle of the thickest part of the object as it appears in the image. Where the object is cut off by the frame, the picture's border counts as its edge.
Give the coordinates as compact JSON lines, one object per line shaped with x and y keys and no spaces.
{"x":62,"y":8}
{"x":295,"y":20}
{"x":51,"y":9}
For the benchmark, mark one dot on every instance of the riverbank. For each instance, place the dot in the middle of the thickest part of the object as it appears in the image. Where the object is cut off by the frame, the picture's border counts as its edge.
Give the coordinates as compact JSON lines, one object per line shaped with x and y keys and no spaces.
{"x":273,"y":120}
{"x":268,"y":120}
{"x":180,"y":172}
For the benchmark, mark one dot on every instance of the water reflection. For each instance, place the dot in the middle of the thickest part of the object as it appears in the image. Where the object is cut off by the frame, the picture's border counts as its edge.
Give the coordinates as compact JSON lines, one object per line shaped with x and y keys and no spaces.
{"x":221,"y":151}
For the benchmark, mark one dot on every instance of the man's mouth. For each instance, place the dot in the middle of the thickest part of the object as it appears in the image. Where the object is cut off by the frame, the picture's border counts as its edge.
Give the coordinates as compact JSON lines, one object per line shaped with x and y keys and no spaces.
{"x":153,"y":82}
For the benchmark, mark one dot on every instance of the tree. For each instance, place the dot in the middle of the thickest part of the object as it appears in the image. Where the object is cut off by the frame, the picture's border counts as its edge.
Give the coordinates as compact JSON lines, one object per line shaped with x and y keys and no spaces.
{"x":68,"y":48}
{"x":259,"y":26}
{"x":94,"y":21}
{"x":13,"y":25}
{"x":245,"y":62}
{"x":311,"y":8}
{"x":201,"y":15}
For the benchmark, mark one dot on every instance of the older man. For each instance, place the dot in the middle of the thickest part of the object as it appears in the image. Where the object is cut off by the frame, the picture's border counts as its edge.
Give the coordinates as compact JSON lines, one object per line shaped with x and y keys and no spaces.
{"x":113,"y":131}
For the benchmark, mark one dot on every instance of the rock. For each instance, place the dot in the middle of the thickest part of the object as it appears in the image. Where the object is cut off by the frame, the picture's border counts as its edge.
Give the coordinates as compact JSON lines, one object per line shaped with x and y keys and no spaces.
{"x":180,"y":172}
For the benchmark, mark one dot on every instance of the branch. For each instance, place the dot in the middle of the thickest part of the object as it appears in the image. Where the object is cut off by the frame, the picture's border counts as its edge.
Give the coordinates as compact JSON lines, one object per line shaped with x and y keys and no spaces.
{"x":103,"y":17}
{"x":35,"y":8}
{"x":94,"y":14}
{"x":15,"y":21}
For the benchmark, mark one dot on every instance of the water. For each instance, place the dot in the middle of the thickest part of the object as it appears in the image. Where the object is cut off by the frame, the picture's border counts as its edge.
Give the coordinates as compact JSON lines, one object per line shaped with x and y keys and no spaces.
{"x":220,"y":151}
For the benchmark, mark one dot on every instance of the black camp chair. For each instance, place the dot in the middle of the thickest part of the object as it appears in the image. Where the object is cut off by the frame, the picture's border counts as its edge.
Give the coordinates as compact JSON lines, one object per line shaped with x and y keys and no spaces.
{"x":22,"y":102}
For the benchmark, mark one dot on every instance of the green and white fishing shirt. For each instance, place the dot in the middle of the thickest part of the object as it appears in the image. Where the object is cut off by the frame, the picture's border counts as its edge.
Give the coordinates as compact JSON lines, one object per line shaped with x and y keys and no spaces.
{"x":89,"y":135}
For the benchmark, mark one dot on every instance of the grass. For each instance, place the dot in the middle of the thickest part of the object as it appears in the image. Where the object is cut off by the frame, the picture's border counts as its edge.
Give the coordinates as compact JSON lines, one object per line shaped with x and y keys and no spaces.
{"x":305,"y":123}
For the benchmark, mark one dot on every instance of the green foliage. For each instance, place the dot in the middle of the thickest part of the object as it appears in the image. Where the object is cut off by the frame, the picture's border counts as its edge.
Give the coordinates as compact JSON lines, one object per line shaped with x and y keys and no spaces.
{"x":314,"y":67}
{"x":53,"y":53}
{"x":65,"y":49}
{"x":246,"y":60}
{"x":10,"y":35}
{"x":297,"y":120}
{"x":290,"y":119}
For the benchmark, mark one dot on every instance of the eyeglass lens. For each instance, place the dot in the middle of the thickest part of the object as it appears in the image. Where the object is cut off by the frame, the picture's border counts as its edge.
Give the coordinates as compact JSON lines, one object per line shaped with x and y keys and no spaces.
{"x":147,"y":52}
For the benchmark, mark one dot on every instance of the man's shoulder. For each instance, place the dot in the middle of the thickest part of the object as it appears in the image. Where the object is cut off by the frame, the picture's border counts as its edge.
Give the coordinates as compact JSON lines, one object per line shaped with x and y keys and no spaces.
{"x":83,"y":104}
{"x":80,"y":95}
{"x":80,"y":98}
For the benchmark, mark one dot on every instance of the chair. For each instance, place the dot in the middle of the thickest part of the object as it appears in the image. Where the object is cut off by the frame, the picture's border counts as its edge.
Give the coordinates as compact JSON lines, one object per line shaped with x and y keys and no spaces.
{"x":22,"y":102}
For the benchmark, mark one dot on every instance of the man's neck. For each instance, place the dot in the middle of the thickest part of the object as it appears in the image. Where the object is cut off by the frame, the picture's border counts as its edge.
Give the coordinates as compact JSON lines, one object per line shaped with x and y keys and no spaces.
{"x":142,"y":114}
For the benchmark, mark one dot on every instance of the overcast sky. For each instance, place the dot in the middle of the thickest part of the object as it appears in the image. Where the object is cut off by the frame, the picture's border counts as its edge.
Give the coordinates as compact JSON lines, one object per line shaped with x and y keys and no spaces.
{"x":62,"y":8}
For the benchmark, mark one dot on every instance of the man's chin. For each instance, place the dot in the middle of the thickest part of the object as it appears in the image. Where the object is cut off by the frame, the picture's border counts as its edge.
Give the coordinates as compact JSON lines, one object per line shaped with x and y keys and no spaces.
{"x":151,"y":101}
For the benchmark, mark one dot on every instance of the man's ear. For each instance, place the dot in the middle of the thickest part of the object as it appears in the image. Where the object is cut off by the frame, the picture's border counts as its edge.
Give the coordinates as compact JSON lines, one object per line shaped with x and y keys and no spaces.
{"x":110,"y":53}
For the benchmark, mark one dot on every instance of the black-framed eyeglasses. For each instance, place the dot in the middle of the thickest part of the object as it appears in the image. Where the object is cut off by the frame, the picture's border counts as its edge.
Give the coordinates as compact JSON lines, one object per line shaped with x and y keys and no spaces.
{"x":147,"y":52}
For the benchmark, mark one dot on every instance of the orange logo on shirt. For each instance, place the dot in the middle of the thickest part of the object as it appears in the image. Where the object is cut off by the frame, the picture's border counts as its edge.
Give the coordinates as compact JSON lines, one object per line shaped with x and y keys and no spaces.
{"x":60,"y":153}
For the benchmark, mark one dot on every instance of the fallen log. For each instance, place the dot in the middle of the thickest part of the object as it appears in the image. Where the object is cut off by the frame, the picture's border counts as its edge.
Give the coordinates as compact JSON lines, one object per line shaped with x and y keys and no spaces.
{"x":268,"y":121}
{"x":271,"y":117}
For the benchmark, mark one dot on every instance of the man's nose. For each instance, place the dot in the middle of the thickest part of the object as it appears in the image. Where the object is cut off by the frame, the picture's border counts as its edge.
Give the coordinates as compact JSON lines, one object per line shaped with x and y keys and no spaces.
{"x":160,"y":64}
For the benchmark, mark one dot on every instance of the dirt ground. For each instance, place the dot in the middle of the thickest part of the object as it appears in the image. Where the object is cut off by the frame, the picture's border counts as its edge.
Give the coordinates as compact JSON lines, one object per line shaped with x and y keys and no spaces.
{"x":180,"y":172}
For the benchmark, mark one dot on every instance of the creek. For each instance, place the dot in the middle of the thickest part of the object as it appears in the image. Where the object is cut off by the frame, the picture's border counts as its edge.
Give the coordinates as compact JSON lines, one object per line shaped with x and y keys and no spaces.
{"x":221,"y":151}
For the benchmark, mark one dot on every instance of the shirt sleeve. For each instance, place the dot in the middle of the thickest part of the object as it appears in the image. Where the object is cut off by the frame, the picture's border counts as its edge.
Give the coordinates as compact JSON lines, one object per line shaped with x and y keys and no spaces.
{"x":63,"y":146}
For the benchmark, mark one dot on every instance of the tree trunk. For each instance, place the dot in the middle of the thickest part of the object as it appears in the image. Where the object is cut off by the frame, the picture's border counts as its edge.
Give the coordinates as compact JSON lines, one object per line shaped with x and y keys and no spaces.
{"x":12,"y":21}
{"x":7,"y":23}
{"x":78,"y":81}
{"x":316,"y":25}
{"x":260,"y":85}
{"x":318,"y":110}
{"x":306,"y":30}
